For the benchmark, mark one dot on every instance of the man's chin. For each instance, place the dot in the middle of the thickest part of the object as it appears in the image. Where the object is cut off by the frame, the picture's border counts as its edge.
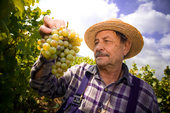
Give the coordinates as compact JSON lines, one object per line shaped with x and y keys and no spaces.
{"x":100,"y":63}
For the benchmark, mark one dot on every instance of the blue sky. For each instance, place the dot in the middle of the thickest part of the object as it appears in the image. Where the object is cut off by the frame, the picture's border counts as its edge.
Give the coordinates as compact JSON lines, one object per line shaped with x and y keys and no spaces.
{"x":150,"y":17}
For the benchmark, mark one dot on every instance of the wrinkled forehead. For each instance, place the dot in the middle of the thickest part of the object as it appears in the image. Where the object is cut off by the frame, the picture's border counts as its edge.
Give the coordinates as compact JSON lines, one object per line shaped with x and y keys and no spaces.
{"x":106,"y":34}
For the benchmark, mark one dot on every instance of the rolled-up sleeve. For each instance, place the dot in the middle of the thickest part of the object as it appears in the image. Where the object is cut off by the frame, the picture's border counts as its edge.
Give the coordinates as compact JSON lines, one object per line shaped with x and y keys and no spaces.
{"x":48,"y":85}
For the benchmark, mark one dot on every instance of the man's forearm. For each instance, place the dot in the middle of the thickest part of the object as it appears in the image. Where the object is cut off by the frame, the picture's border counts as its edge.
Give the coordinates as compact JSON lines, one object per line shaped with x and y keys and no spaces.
{"x":39,"y":73}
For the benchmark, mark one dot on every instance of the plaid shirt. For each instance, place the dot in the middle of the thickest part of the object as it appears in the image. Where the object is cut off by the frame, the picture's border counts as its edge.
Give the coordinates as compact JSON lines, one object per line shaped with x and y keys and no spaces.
{"x":97,"y":93}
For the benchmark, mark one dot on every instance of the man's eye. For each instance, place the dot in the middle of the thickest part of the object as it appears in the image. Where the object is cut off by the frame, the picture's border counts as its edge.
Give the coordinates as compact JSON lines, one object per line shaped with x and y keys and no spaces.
{"x":106,"y":40}
{"x":95,"y":43}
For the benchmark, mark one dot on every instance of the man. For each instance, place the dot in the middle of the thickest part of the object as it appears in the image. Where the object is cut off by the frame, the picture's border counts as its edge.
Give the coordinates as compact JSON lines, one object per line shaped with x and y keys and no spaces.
{"x":104,"y":87}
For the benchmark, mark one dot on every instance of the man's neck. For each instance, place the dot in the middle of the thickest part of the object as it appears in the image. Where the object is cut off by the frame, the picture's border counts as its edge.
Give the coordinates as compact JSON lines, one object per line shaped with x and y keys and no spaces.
{"x":110,"y":74}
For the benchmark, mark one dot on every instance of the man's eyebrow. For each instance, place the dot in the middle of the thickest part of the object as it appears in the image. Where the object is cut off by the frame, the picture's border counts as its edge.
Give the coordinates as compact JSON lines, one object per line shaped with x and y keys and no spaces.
{"x":102,"y":38}
{"x":96,"y":40}
{"x":105,"y":37}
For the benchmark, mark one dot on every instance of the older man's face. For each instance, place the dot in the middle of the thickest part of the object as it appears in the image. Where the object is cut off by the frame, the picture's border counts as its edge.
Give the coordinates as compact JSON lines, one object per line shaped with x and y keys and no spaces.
{"x":108,"y":49}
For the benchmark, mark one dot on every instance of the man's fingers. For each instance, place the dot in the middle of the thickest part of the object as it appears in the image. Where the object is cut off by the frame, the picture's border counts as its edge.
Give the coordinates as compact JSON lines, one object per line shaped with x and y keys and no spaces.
{"x":43,"y":30}
{"x":48,"y":22}
{"x":59,"y":23}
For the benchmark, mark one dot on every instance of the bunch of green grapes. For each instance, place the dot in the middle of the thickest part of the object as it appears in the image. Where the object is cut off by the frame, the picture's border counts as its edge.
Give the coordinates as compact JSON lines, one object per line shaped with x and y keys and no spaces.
{"x":62,"y":45}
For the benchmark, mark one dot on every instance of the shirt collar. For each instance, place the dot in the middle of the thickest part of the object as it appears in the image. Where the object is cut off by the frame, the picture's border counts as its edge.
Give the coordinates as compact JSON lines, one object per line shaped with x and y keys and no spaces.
{"x":125,"y":75}
{"x":94,"y":71}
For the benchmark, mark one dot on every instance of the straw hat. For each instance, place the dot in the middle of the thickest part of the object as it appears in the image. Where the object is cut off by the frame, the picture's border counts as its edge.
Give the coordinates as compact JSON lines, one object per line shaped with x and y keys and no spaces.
{"x":126,"y":29}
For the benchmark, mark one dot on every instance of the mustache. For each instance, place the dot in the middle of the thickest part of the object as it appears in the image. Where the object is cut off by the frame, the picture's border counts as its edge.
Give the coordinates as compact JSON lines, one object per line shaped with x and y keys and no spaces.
{"x":98,"y":53}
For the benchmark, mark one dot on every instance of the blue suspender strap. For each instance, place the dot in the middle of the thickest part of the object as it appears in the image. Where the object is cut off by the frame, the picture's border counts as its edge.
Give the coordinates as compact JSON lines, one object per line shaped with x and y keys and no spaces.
{"x":83,"y":84}
{"x":132,"y":101}
{"x":78,"y":96}
{"x":76,"y":99}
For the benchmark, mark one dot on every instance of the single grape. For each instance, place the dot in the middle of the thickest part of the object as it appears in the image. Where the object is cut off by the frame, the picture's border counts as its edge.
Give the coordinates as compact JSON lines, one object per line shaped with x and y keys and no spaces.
{"x":49,"y":40}
{"x":38,"y":47}
{"x":59,"y":70}
{"x":54,"y":71}
{"x":54,"y":66}
{"x":62,"y":48}
{"x":54,"y":31}
{"x":65,"y":32}
{"x":70,"y":46}
{"x":64,"y":70}
{"x":41,"y":45}
{"x":74,"y":57}
{"x":72,"y":52}
{"x":54,"y":43}
{"x":50,"y":36}
{"x":69,"y":57}
{"x":75,"y":38}
{"x":53,"y":56}
{"x":60,"y":33}
{"x":52,"y":50}
{"x":42,"y":40}
{"x":46,"y":37}
{"x":62,"y":27}
{"x":58,"y":52}
{"x":58,"y":64}
{"x":64,"y":66}
{"x":55,"y":37}
{"x":58,"y":47}
{"x":46,"y":46}
{"x":77,"y":50}
{"x":42,"y":51}
{"x":78,"y":43}
{"x":66,"y":51}
{"x":47,"y":54}
{"x":74,"y":48}
{"x":62,"y":54}
{"x":72,"y":33}
{"x":61,"y":37}
{"x":80,"y":39}
{"x":68,"y":62}
{"x":63,"y":59}
{"x":65,"y":43}
{"x":60,"y":42}
{"x":69,"y":36}
{"x":58,"y":75}
{"x":39,"y":41}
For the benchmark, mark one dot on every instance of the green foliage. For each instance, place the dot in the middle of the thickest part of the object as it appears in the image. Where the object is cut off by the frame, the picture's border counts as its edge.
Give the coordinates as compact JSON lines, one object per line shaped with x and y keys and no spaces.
{"x":18,"y":36}
{"x":161,"y":88}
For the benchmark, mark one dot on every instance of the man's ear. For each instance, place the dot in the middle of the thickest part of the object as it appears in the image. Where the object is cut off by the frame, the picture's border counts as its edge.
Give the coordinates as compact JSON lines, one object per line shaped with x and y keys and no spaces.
{"x":127,"y":47}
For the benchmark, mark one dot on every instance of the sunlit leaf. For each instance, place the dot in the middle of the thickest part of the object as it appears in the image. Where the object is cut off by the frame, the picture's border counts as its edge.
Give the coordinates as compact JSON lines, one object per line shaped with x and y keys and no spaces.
{"x":20,"y":5}
{"x":159,"y":100}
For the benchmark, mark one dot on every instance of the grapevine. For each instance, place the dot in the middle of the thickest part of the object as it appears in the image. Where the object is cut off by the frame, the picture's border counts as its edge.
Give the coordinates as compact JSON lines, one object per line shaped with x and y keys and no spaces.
{"x":61,"y":45}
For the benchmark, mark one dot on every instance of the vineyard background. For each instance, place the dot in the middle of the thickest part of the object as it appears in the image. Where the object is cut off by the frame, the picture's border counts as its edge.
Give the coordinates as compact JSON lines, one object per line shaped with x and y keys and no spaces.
{"x":19,"y":25}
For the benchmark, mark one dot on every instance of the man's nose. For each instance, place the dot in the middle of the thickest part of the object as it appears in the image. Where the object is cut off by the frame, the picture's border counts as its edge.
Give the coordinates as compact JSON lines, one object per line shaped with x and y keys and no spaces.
{"x":99,"y":47}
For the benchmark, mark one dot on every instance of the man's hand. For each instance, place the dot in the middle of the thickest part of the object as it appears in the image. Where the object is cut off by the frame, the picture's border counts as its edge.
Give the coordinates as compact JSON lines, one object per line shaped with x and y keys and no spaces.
{"x":50,"y":23}
{"x":45,"y":29}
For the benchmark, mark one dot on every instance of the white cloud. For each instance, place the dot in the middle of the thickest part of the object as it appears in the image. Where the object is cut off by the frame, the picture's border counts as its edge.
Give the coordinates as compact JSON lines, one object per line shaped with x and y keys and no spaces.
{"x":165,"y":41}
{"x":143,"y":0}
{"x":148,"y":20}
{"x":164,"y":44}
{"x":151,"y":55}
{"x":155,"y":52}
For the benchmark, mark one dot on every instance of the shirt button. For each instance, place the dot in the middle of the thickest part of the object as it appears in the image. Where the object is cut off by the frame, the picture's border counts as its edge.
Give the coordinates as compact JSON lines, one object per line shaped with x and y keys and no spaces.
{"x":105,"y":89}
{"x":98,"y":110}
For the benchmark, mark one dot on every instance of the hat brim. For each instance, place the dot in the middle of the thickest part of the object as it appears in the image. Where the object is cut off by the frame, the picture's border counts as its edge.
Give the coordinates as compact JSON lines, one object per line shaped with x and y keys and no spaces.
{"x":126,"y":29}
